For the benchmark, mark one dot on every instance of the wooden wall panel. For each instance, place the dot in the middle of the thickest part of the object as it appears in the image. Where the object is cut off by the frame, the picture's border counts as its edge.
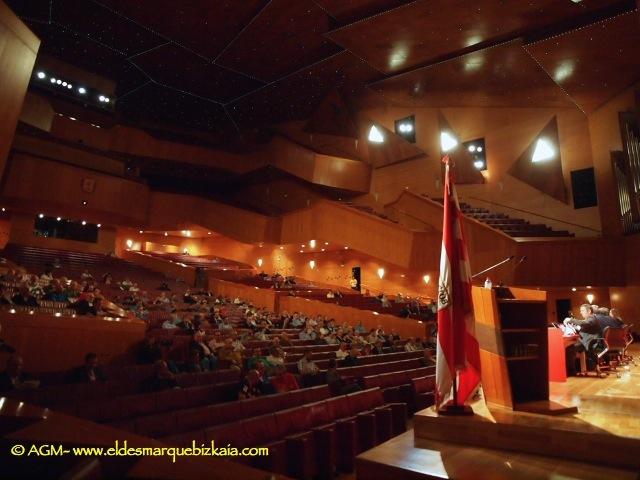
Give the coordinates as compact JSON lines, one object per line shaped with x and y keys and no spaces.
{"x":259,"y":297}
{"x":49,"y":344}
{"x":58,"y":189}
{"x":18,"y":50}
{"x":171,"y":270}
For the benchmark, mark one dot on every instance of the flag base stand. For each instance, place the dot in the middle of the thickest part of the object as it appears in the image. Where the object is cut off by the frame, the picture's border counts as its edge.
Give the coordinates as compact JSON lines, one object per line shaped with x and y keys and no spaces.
{"x":450,"y":409}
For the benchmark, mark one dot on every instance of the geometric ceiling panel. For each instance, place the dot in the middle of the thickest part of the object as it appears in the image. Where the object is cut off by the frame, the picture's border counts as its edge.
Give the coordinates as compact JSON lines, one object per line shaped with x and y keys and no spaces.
{"x":286,"y":35}
{"x":501,"y":76}
{"x":204,"y":27}
{"x":298,"y":95}
{"x":540,"y":165}
{"x":593,"y":63}
{"x":101,"y":23}
{"x":333,"y":117}
{"x":179,"y":68}
{"x":349,"y":11}
{"x":426,"y":30}
{"x":154,"y":103}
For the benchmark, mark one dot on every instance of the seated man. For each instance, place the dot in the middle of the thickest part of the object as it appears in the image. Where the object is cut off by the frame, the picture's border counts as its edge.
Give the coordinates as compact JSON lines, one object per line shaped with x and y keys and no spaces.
{"x":342,"y":352}
{"x":249,"y":387}
{"x":337,"y":384}
{"x":90,"y":372}
{"x":590,"y":332}
{"x":24,"y":298}
{"x":208,"y":360}
{"x":351,"y":360}
{"x":308,"y":369}
{"x":284,"y":381}
{"x":14,"y":378}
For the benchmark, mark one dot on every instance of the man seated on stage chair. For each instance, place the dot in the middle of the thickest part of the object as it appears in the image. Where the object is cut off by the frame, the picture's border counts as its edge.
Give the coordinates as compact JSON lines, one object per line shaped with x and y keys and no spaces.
{"x":590,"y":332}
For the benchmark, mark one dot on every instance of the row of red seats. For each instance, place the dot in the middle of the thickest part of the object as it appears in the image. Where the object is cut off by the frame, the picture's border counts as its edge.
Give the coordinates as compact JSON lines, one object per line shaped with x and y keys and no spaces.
{"x":181,"y":420}
{"x":312,"y":440}
{"x":399,"y":387}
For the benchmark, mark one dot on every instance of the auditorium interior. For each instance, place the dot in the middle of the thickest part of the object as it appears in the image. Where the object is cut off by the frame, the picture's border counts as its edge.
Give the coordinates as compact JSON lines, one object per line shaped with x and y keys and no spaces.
{"x":223,"y":228}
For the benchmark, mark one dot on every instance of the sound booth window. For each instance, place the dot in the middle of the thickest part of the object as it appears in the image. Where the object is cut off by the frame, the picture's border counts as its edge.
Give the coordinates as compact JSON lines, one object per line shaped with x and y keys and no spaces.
{"x":56,"y":227}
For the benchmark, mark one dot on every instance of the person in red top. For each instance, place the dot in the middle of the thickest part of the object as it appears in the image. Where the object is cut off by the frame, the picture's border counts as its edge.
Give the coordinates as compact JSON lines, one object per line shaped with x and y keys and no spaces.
{"x":284,"y":381}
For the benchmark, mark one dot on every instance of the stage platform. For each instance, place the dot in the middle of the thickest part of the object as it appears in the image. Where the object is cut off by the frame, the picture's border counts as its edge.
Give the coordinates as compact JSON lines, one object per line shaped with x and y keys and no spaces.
{"x":601,"y":441}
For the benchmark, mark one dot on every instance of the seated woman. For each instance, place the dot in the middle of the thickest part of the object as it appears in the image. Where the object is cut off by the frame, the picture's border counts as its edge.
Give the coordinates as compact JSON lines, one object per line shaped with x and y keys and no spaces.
{"x":337,"y":384}
{"x":208,"y":360}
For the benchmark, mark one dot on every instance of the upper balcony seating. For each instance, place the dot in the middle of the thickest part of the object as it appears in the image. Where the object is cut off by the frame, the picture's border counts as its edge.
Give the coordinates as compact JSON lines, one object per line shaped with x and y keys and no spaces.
{"x":514,"y":227}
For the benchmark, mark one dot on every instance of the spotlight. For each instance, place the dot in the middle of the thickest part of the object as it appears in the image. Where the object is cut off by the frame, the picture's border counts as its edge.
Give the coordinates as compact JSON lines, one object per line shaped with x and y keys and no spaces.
{"x":479,"y":149}
{"x":106,"y":99}
{"x":58,"y":218}
{"x":64,"y":84}
{"x":447,"y":141}
{"x":259,"y":262}
{"x":312,"y":244}
{"x":53,"y":80}
{"x":479,"y":164}
{"x":82,"y":90}
{"x":375,"y":135}
{"x":381,"y":272}
{"x":74,"y":119}
{"x":101,"y":98}
{"x":472,"y":148}
{"x":139,"y":231}
{"x":543,"y":151}
{"x":312,"y":264}
{"x":59,"y":82}
{"x":41,"y":215}
{"x":41,"y":75}
{"x":69,"y":86}
{"x":99,"y":225}
{"x":166,"y":234}
{"x":84,"y":222}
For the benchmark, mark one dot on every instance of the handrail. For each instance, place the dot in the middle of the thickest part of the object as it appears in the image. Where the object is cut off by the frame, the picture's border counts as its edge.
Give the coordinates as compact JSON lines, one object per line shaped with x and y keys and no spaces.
{"x":536,"y":214}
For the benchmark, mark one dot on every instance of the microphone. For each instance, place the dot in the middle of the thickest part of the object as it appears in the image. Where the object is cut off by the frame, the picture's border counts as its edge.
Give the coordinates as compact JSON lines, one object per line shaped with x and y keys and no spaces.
{"x":492,"y":267}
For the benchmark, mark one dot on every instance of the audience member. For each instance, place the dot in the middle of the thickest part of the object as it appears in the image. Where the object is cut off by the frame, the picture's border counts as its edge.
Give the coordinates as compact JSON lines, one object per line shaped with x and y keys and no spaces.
{"x":90,"y":372}
{"x":14,"y":378}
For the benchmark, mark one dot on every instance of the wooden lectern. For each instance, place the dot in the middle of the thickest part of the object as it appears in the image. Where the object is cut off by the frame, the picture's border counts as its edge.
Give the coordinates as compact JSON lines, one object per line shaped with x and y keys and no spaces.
{"x":511,"y":327}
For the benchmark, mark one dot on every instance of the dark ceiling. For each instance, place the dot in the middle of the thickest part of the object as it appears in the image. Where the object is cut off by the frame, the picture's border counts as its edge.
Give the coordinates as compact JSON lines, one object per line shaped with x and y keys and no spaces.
{"x":222,"y":66}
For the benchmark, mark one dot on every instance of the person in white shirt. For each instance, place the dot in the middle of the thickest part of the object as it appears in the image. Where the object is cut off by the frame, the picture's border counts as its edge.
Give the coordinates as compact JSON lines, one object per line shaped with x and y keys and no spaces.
{"x":342,"y":352}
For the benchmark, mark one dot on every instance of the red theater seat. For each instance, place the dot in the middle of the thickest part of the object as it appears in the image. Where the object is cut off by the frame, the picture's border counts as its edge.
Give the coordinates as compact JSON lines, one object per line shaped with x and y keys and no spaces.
{"x":424,"y":388}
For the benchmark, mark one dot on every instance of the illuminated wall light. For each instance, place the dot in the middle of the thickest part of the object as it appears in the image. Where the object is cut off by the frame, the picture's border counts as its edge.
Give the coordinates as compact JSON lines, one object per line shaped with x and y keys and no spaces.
{"x":301,"y":251}
{"x":82,"y":90}
{"x":589,"y":286}
{"x":41,"y":75}
{"x":129,"y":243}
{"x":346,"y":248}
{"x":58,"y":314}
{"x":140,"y":231}
{"x":281,"y":247}
{"x":58,"y":218}
{"x":312,"y":264}
{"x":426,"y":279}
{"x":322,"y":249}
{"x":381,"y":273}
{"x":84,"y":222}
{"x":447,"y":141}
{"x":41,"y":215}
{"x":99,"y":225}
{"x":590,"y":297}
{"x":259,"y":262}
{"x":312,"y":244}
{"x":326,"y":243}
{"x":574,"y":289}
{"x":166,"y":234}
{"x":84,"y":202}
{"x":375,"y":135}
{"x":72,"y":118}
{"x":3,"y":209}
{"x":208,"y":233}
{"x":544,"y":151}
{"x":13,"y":310}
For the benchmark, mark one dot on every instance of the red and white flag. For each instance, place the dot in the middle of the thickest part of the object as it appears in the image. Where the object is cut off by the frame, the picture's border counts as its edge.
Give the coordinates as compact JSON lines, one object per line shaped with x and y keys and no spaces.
{"x":458,"y":351}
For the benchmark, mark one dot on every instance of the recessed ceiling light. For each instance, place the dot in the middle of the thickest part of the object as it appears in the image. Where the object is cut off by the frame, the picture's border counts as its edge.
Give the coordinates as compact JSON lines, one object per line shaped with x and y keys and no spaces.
{"x":99,"y":225}
{"x":84,"y":222}
{"x":64,"y":84}
{"x":106,"y":99}
{"x":58,"y":218}
{"x":72,"y":118}
{"x":53,"y":80}
{"x":82,"y":90}
{"x":69,"y":86}
{"x":479,"y":164}
{"x":472,"y":148}
{"x":101,"y":98}
{"x":41,"y":215}
{"x":59,"y":82}
{"x":41,"y":75}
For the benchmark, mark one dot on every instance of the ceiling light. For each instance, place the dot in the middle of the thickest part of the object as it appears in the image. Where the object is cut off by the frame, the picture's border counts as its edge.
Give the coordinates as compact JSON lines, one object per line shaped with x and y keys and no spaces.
{"x":208,"y":233}
{"x":322,"y":249}
{"x":574,"y":289}
{"x":302,"y":246}
{"x":375,"y":135}
{"x":543,"y":151}
{"x":129,"y":243}
{"x":381,"y":272}
{"x":301,"y":251}
{"x":472,"y":148}
{"x":326,"y":243}
{"x":479,"y":149}
{"x":312,"y":264}
{"x":590,"y":297}
{"x":53,"y":80}
{"x":64,"y":84}
{"x":41,"y":75}
{"x":346,"y":248}
{"x":166,"y":234}
{"x":99,"y":225}
{"x":447,"y":141}
{"x":72,"y":118}
{"x":84,"y":222}
{"x":426,"y":279}
{"x":59,"y":218}
{"x":479,"y":164}
{"x":312,"y":244}
{"x":259,"y":262}
{"x":139,"y":231}
{"x":84,"y":202}
{"x":69,"y":86}
{"x":59,"y":82}
{"x":281,"y":247}
{"x":101,"y":98}
{"x":106,"y":99}
{"x":41,"y":215}
{"x":82,"y":90}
